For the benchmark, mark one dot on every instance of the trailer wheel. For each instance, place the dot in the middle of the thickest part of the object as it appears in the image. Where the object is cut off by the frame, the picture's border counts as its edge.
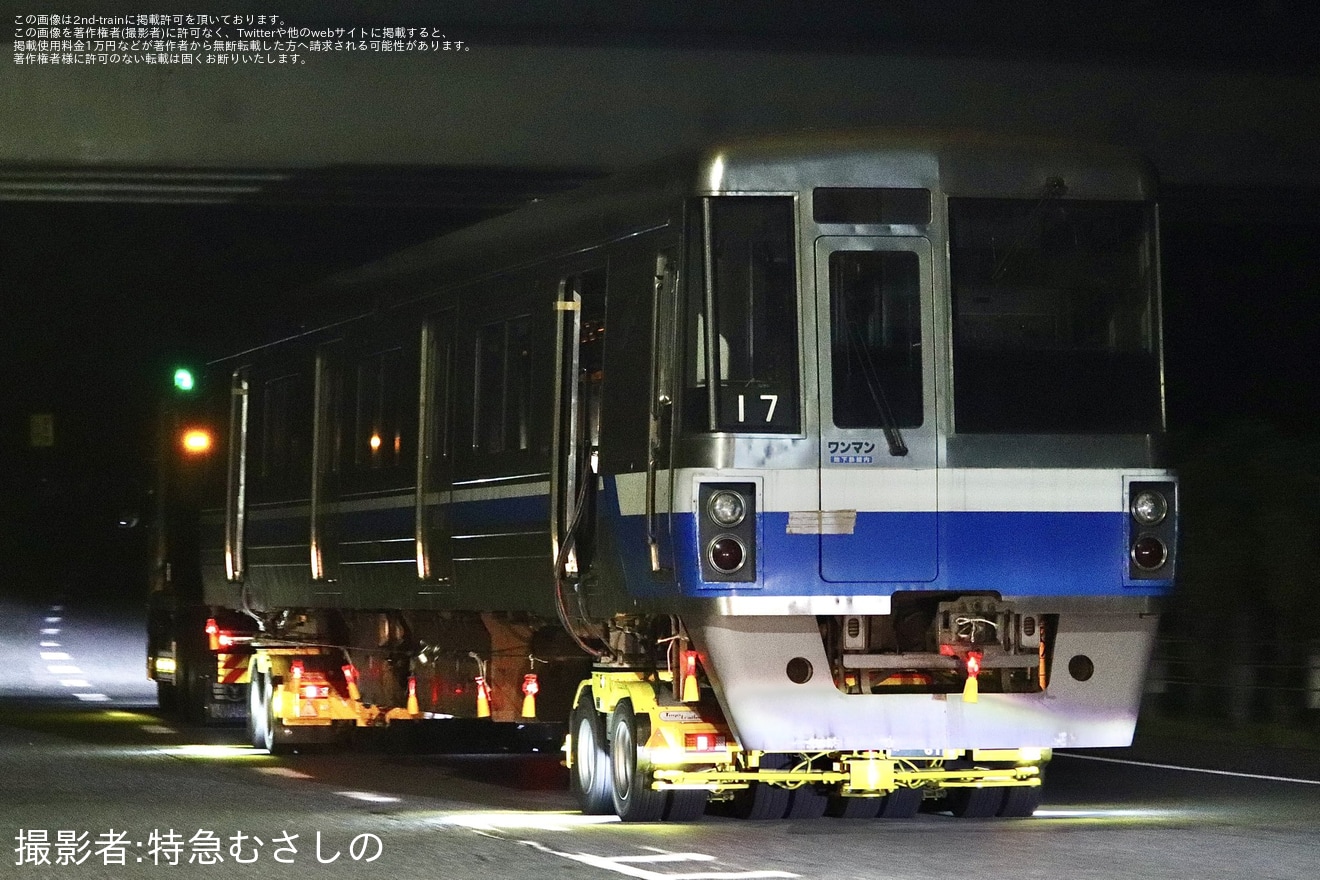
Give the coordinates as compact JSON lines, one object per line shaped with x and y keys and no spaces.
{"x":806,"y":803}
{"x":590,"y":779}
{"x":975,"y":803}
{"x":167,"y":698}
{"x":901,"y":803}
{"x":634,"y":799}
{"x":761,"y":800}
{"x":686,"y":804}
{"x":256,"y":719}
{"x":841,"y":807}
{"x":271,"y":742}
{"x":1020,"y":802}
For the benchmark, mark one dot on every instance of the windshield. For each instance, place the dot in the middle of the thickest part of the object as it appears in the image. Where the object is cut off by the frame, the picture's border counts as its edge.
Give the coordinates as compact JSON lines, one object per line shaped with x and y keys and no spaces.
{"x":1054,"y":322}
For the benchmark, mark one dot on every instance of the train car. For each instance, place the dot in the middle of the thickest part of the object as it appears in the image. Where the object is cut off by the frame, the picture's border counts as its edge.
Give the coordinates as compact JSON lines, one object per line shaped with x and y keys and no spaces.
{"x":801,"y":475}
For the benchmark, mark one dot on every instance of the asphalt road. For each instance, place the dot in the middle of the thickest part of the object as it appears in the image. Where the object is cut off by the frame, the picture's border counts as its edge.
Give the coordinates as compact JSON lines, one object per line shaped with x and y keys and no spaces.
{"x":94,"y":784}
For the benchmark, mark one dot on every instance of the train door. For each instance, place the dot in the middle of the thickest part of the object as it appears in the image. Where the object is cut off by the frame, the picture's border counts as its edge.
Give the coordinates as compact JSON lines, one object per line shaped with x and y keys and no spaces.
{"x":435,"y":463}
{"x":878,"y":442}
{"x":327,"y":395}
{"x":659,"y":473}
{"x":236,"y":482}
{"x":579,"y":380}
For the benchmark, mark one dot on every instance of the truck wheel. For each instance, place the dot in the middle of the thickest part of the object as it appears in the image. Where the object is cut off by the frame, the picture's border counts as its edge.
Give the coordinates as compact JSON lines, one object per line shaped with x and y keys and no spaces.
{"x":634,"y":799}
{"x":270,"y":741}
{"x":590,"y":779}
{"x":761,"y":800}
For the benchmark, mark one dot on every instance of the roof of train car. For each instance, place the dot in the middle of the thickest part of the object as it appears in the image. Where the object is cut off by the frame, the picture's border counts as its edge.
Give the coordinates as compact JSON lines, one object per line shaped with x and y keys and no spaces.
{"x":648,"y":196}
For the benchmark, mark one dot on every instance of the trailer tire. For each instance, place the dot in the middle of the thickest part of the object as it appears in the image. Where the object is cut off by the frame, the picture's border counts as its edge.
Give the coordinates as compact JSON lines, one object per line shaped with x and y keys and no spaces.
{"x":590,"y":778}
{"x":1020,"y":802}
{"x":686,"y":804}
{"x":901,"y":803}
{"x":975,"y":803}
{"x":841,"y":807}
{"x":167,"y":698}
{"x":634,"y":799}
{"x":761,"y":800}
{"x":256,"y":719}
{"x":806,"y":803}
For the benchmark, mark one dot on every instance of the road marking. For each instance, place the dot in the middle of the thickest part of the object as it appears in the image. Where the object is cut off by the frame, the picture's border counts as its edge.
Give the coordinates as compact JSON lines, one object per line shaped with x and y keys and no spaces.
{"x":284,"y":771}
{"x":624,"y":865}
{"x":1190,"y":769}
{"x":51,"y":631}
{"x":159,"y":729}
{"x":55,"y":655}
{"x":93,"y":698}
{"x":54,"y":619}
{"x":64,"y":670}
{"x":370,"y":797}
{"x":75,"y":683}
{"x":50,"y":644}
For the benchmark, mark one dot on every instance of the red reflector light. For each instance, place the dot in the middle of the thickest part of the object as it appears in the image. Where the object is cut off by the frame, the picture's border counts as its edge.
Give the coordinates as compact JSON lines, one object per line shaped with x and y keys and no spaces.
{"x":350,"y":674}
{"x":315,"y":691}
{"x":213,"y":634}
{"x":297,"y":670}
{"x":973,"y":664}
{"x":689,"y":662}
{"x":704,"y":742}
{"x":530,"y":686}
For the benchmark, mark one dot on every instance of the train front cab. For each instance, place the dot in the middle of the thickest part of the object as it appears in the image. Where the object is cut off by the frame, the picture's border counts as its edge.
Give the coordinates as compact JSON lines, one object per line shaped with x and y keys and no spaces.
{"x":917,"y":532}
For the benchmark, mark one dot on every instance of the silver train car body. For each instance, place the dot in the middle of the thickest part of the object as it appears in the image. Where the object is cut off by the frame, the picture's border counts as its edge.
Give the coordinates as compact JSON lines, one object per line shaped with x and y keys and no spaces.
{"x":866,"y":425}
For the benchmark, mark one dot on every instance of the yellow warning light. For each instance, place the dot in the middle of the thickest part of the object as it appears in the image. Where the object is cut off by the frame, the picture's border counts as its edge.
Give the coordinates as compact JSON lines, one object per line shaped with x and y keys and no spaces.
{"x":374,"y":442}
{"x":196,"y":441}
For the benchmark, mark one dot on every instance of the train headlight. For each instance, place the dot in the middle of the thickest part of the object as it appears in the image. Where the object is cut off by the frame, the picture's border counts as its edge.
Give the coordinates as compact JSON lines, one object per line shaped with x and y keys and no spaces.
{"x":727,"y":508}
{"x":1149,"y":508}
{"x":1149,"y":552}
{"x":727,"y":554}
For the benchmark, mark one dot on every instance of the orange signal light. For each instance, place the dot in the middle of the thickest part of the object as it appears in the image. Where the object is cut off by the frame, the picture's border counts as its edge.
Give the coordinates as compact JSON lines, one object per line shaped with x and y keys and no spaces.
{"x":196,"y":441}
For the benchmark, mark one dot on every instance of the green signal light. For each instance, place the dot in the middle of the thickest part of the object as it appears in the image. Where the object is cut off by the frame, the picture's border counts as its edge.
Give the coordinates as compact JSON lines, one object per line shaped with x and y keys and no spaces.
{"x":183,"y":379}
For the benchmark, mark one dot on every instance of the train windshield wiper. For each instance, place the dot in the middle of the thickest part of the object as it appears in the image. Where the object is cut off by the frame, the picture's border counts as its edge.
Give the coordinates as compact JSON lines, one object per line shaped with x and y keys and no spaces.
{"x":889,"y":424}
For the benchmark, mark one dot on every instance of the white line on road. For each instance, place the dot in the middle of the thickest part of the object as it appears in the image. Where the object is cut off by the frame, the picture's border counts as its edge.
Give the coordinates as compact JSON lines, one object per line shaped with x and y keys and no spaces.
{"x":50,"y":644}
{"x":75,"y":683}
{"x":64,"y":670}
{"x":51,"y":631}
{"x":620,"y":865}
{"x":159,"y":729}
{"x":1190,"y":769}
{"x":93,"y":698}
{"x":55,"y":655}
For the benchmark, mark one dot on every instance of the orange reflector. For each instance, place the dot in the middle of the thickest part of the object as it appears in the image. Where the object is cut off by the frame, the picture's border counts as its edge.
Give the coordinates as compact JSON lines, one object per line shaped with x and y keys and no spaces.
{"x":413,"y":708}
{"x":213,"y":634}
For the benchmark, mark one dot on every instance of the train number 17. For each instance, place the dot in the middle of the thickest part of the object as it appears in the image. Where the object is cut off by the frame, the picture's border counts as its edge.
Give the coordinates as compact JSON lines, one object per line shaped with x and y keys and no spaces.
{"x":772,"y":399}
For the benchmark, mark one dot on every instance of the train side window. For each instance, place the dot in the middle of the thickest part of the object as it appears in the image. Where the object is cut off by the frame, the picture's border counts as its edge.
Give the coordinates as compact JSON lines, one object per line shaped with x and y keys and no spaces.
{"x":503,"y":398}
{"x":741,"y":321}
{"x":379,"y":436}
{"x":285,"y":433}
